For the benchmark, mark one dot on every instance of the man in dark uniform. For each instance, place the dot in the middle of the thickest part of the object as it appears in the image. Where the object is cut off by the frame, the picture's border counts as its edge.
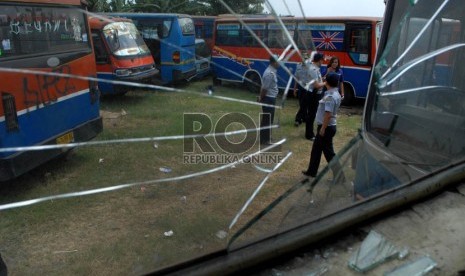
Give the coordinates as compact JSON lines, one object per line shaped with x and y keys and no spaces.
{"x":314,"y":93}
{"x":326,"y":120}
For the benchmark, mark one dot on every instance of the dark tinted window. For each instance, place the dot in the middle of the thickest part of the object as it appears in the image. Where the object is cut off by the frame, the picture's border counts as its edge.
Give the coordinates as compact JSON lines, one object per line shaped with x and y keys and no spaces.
{"x":228,"y":35}
{"x":249,"y":40}
{"x":277,"y":37}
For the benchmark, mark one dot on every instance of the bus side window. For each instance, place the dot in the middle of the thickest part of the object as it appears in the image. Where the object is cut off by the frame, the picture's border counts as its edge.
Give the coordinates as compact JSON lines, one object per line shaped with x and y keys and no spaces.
{"x":359,"y":44}
{"x":101,"y":55}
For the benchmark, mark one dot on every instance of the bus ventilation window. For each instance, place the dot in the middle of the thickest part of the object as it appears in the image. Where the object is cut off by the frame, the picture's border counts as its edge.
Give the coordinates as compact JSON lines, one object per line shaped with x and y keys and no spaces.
{"x":9,"y":108}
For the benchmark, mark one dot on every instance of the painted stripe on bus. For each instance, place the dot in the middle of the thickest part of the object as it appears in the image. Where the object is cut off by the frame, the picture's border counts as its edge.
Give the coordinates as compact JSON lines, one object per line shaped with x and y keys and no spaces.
{"x":189,"y":61}
{"x":60,"y":99}
{"x":44,"y":123}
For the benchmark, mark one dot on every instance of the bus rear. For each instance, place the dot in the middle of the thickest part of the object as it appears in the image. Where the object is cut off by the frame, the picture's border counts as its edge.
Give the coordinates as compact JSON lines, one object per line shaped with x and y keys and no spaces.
{"x":120,"y":53}
{"x":171,"y":40}
{"x":46,"y":104}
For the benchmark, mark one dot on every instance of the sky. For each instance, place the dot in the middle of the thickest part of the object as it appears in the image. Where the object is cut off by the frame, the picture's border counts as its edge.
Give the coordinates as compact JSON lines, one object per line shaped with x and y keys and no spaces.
{"x":330,"y":7}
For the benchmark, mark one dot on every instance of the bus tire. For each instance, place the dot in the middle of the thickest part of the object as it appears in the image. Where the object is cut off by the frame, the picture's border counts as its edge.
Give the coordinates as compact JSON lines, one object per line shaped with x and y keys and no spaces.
{"x":349,"y":95}
{"x":253,"y":82}
{"x":216,"y":81}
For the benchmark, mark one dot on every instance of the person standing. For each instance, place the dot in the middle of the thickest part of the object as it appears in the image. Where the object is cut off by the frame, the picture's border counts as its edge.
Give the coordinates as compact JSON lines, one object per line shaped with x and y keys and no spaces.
{"x":326,"y":120}
{"x":314,"y":93}
{"x":268,"y":94}
{"x":302,"y":77}
{"x":335,"y":66}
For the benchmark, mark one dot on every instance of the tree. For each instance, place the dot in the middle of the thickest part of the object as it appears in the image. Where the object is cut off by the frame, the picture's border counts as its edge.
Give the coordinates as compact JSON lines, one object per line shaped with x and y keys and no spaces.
{"x":240,"y":7}
{"x":193,"y":7}
{"x":98,"y":5}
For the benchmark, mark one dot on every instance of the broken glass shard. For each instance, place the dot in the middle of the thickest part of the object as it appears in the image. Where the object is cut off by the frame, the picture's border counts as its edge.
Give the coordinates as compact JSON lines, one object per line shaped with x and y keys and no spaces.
{"x":318,"y":271}
{"x":403,"y":253}
{"x":374,"y":250}
{"x":418,"y":267}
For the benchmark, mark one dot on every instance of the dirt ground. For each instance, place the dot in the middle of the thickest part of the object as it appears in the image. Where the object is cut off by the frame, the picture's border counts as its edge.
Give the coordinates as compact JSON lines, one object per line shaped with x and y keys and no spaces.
{"x":433,"y":228}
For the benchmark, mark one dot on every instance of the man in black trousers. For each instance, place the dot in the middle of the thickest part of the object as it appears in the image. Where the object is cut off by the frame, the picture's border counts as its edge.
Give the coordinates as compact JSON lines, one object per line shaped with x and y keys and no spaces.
{"x":314,"y":93}
{"x":326,"y":116}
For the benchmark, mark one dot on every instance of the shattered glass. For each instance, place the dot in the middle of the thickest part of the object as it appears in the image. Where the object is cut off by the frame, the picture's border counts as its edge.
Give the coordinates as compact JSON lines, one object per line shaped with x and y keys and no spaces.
{"x":417,"y":267}
{"x":374,"y":250}
{"x":107,"y":215}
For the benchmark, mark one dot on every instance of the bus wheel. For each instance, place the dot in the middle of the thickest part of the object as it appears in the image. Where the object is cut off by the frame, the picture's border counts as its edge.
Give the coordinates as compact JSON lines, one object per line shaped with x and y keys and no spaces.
{"x":216,"y":81}
{"x":349,"y":96}
{"x":253,"y":82}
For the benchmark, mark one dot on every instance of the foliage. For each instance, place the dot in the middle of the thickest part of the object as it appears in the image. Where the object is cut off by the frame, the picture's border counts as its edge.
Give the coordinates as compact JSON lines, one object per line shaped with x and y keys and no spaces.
{"x":193,"y":7}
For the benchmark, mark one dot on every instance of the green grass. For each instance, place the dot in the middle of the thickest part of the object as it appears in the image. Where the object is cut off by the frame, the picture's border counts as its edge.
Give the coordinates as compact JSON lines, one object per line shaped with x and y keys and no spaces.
{"x":121,"y":232}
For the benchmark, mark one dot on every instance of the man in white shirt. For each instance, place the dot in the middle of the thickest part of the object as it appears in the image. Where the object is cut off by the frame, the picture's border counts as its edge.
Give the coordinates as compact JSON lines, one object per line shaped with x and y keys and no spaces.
{"x":268,"y":93}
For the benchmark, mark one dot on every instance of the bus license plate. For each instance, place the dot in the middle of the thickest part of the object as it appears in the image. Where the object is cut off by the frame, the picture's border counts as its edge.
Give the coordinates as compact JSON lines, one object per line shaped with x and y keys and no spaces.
{"x":66,"y":139}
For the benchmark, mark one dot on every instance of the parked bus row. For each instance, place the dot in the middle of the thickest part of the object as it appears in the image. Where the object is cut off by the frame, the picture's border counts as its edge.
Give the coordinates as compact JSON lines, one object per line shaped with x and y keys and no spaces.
{"x":45,"y":108}
{"x":65,"y":51}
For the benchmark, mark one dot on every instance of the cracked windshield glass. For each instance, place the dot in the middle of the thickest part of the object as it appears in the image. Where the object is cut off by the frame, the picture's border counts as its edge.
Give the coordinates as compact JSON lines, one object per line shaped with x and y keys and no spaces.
{"x":138,"y":135}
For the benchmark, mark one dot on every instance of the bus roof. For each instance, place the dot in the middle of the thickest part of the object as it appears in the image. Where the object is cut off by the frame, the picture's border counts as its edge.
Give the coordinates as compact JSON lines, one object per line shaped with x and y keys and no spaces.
{"x":204,"y":16}
{"x":61,"y":2}
{"x":270,"y":18}
{"x":146,"y":15}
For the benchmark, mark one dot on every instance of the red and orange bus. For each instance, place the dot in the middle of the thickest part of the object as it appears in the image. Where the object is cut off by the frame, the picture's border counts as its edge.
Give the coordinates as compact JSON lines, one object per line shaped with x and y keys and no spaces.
{"x":45,"y":104}
{"x":120,"y":53}
{"x":237,"y":56}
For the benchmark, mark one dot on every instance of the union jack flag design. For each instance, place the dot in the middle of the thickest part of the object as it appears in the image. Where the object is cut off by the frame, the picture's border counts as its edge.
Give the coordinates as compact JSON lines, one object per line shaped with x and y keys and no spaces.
{"x":328,"y":40}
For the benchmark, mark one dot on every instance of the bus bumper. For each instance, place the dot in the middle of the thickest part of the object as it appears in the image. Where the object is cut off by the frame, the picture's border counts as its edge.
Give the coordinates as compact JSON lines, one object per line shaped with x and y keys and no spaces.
{"x":139,"y":76}
{"x":178,"y":75}
{"x":136,"y":77}
{"x":17,"y":164}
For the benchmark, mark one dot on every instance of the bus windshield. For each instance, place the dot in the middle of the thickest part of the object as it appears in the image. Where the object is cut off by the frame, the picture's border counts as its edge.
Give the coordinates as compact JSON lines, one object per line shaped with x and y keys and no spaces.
{"x":54,"y":30}
{"x":418,"y":111}
{"x":124,"y":39}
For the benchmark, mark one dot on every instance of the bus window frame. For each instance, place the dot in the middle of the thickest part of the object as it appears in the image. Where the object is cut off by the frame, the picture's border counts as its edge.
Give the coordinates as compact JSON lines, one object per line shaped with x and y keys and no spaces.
{"x":247,"y":35}
{"x":97,"y":38}
{"x":159,"y":22}
{"x":350,"y":27}
{"x":291,"y":31}
{"x":83,"y":50}
{"x":239,"y":38}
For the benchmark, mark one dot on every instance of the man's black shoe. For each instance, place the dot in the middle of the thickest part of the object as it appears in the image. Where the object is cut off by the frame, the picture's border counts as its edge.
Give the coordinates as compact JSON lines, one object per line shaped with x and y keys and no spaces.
{"x":306,"y":173}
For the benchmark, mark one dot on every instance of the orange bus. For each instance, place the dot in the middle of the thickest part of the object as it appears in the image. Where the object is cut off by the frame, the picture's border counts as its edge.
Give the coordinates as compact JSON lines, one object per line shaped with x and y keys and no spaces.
{"x":120,"y":53}
{"x":46,"y":43}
